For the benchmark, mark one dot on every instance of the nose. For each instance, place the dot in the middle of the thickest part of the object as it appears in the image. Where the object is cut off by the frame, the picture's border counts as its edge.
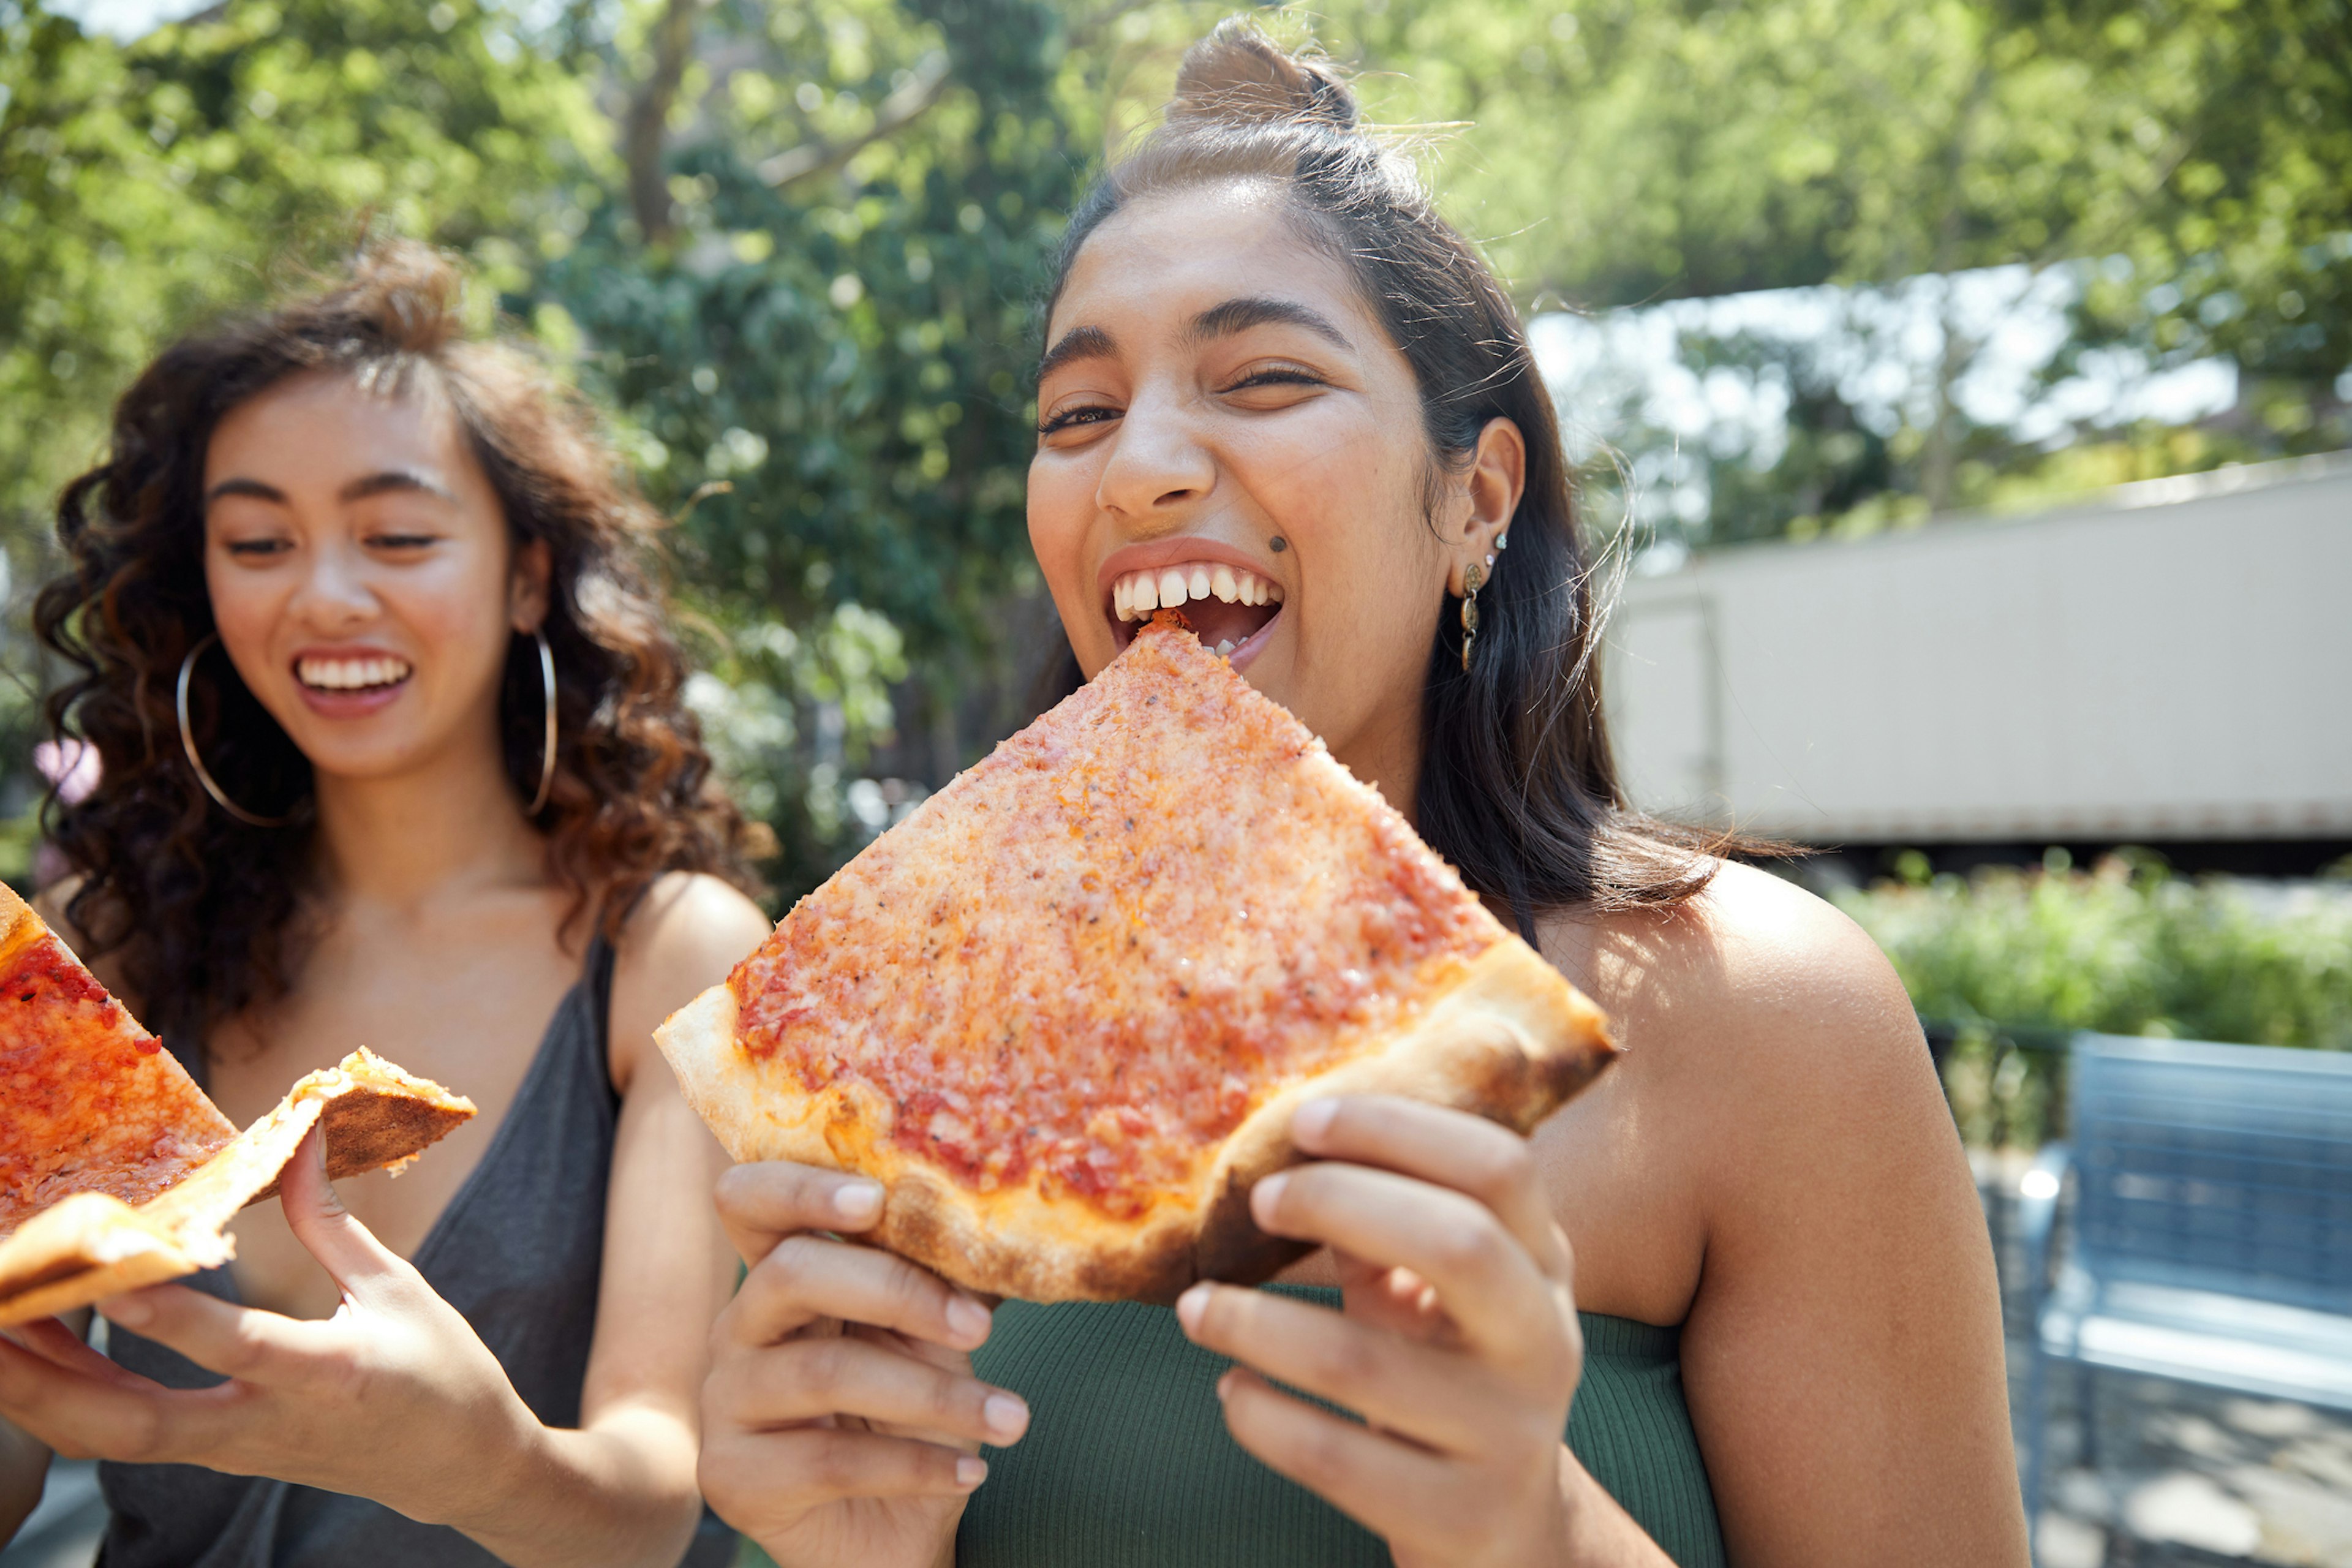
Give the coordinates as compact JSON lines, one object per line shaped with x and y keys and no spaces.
{"x":1158,"y":464}
{"x":334,"y":595}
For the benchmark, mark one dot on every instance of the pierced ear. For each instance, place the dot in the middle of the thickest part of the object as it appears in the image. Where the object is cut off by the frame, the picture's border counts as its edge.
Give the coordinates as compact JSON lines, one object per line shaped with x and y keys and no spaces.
{"x":527,"y":587}
{"x":1497,"y":478}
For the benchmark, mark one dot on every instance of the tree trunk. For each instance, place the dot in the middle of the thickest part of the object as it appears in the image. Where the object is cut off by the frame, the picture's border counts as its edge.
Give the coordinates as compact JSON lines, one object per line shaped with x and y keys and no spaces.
{"x":644,"y":132}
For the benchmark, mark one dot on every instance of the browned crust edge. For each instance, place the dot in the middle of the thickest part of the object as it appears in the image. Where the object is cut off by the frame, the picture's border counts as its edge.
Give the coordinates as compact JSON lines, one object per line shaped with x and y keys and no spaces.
{"x":1511,"y":1040}
{"x":91,"y":1246}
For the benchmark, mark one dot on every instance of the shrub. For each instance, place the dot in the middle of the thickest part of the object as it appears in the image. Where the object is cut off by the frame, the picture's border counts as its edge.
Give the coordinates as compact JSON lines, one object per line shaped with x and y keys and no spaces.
{"x":2004,"y":965}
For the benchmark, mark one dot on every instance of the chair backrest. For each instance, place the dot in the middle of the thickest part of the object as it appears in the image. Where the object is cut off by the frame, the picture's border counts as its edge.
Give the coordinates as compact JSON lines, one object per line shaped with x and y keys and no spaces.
{"x":2221,"y":1168}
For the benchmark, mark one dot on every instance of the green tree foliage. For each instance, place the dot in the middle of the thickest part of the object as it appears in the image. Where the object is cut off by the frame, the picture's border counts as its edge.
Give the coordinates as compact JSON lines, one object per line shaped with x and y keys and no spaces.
{"x":143,"y":187}
{"x":2198,"y":151}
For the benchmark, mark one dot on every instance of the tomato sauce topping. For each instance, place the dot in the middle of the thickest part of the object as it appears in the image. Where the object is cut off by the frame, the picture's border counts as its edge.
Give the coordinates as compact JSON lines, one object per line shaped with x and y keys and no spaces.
{"x":89,"y":1100}
{"x":1088,"y":959}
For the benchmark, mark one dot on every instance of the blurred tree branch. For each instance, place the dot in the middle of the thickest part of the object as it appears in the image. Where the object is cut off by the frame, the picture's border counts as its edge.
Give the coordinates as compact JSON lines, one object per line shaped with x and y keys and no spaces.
{"x":895,"y":113}
{"x":646,"y":127}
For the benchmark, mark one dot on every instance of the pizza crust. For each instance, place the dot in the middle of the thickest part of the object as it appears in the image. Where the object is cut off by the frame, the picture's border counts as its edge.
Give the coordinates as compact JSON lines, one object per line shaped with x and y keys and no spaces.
{"x":1504,"y":1035}
{"x":91,"y":1245}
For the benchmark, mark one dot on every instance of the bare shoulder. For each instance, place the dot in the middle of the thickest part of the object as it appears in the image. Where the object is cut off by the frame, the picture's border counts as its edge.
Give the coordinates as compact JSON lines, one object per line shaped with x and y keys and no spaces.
{"x":1755,"y":975}
{"x":684,"y":936}
{"x":54,"y":904}
{"x":1766,"y":1022}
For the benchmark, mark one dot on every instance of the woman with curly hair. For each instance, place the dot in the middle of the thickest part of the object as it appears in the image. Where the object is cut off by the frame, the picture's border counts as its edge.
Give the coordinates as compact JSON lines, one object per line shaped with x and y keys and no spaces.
{"x":393,"y":752}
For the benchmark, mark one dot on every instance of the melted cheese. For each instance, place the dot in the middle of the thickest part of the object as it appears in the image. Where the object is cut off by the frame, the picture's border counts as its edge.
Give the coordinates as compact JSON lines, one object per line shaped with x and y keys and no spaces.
{"x":1080,"y":966}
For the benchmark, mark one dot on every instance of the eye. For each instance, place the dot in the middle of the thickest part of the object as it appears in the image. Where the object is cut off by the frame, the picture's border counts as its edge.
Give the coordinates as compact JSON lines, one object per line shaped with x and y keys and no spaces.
{"x":1070,"y":418}
{"x":1269,"y":377}
{"x":400,"y":542}
{"x":258,"y":549}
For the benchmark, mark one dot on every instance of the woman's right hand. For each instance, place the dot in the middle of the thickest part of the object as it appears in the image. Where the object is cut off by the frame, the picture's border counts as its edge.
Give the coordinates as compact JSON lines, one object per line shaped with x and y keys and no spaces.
{"x":841,"y":1423}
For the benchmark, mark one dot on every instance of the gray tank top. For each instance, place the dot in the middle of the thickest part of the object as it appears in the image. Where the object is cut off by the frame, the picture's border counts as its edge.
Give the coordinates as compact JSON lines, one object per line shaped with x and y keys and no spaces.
{"x":518,"y":1252}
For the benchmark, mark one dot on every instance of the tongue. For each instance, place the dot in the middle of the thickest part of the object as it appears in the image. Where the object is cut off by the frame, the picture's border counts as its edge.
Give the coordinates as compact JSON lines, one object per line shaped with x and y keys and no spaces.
{"x":1214,"y":621}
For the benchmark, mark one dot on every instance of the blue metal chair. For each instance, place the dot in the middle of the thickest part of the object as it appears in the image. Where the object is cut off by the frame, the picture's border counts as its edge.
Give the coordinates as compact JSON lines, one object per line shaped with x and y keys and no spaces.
{"x":2213,"y":1229}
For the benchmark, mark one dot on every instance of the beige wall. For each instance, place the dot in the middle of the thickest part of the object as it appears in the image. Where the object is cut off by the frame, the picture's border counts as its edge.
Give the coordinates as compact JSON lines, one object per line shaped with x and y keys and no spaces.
{"x":2173,"y":662}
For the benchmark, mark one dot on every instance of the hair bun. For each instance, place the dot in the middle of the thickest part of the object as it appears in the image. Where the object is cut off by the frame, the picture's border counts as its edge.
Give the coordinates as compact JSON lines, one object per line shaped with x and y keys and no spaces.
{"x":1238,"y":76}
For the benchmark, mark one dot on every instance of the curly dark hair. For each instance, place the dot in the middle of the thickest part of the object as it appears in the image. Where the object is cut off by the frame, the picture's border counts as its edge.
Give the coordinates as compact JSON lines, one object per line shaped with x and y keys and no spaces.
{"x":203,"y":909}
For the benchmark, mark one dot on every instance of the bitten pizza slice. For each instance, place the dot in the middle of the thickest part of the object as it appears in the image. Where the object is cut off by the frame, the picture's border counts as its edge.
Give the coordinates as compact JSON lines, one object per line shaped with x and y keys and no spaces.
{"x":1064,"y":1011}
{"x":115,"y":1169}
{"x":91,"y":1245}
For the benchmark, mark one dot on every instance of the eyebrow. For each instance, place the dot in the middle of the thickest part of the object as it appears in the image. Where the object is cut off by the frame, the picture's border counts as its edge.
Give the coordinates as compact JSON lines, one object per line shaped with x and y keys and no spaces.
{"x":1240,"y":315}
{"x":1077,"y":344}
{"x":1216,"y":322}
{"x":368,"y":485}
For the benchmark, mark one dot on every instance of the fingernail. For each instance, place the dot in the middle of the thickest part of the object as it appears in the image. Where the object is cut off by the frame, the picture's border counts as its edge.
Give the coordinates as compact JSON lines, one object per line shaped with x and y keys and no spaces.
{"x":1190,"y":1305}
{"x":1312,"y":1120}
{"x":860,"y":1202}
{"x":1268,"y":1192}
{"x":1005,"y":1415}
{"x":966,"y":1319}
{"x":971,"y":1471}
{"x":129,"y":1310}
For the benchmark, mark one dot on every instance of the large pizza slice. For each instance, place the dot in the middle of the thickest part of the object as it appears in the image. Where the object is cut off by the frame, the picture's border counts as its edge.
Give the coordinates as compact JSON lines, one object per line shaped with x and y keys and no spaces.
{"x":1064,"y":1011}
{"x":115,"y":1170}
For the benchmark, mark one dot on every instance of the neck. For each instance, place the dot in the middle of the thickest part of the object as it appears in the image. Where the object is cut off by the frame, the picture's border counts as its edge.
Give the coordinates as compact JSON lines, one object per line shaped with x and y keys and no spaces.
{"x":446,"y":826}
{"x":1388,"y":758}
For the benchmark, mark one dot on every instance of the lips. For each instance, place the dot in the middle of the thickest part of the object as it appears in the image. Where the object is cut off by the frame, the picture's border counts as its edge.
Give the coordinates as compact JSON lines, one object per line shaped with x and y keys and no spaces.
{"x":350,"y":682}
{"x":1230,"y":600}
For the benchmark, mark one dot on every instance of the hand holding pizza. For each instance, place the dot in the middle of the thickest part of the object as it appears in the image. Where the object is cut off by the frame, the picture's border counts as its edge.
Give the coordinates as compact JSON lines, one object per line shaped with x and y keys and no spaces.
{"x":1459,"y":1343}
{"x":841,"y":1421}
{"x":329,"y":1404}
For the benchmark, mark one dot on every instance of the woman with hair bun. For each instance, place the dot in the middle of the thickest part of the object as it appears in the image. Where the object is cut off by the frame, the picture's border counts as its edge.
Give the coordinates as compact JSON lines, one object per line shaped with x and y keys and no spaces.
{"x":1736,"y":1304}
{"x":392,"y":752}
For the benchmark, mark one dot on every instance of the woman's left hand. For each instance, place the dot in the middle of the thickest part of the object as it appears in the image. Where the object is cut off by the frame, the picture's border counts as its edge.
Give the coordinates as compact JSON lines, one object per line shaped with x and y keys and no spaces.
{"x":1459,"y":1344}
{"x":394,"y":1397}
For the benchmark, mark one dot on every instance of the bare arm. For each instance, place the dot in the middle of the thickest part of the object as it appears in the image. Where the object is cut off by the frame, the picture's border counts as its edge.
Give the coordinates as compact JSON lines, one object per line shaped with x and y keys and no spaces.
{"x":627,"y":1473}
{"x":1843,"y":1354}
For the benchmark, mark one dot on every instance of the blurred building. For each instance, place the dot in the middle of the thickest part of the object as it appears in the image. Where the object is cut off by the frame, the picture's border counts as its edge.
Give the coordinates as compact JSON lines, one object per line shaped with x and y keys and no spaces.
{"x":2167,"y":665}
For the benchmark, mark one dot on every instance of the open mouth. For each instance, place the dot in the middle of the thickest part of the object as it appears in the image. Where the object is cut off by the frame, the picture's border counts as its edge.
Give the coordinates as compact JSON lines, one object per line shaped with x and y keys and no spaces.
{"x":1227,"y":605}
{"x":344,"y":676}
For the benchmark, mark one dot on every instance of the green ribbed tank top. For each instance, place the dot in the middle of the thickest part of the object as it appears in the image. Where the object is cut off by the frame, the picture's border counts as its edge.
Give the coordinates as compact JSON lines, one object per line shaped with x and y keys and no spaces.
{"x":1126,"y":1463}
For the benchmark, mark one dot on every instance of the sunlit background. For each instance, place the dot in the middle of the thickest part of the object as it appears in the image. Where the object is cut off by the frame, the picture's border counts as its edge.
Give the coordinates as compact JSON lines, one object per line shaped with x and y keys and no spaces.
{"x":1955,"y":382}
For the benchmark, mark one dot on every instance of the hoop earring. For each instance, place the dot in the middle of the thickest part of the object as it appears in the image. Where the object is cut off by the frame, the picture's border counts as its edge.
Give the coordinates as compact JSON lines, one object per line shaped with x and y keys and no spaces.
{"x":1472,"y":580}
{"x":547,"y":743}
{"x":188,"y":744}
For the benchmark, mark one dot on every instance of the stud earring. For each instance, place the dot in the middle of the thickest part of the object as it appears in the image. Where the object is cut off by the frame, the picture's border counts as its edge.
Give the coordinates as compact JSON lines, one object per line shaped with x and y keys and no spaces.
{"x":1472,"y":581}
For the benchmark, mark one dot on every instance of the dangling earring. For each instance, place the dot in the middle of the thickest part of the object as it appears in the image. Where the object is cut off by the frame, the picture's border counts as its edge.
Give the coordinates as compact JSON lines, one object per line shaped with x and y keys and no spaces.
{"x":188,"y":744}
{"x":547,"y":743}
{"x":1472,"y":580}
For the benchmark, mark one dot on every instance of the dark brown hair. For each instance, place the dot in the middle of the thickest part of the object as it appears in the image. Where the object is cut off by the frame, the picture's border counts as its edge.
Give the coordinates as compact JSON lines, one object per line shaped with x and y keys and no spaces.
{"x":203,"y":909}
{"x":1519,"y":787}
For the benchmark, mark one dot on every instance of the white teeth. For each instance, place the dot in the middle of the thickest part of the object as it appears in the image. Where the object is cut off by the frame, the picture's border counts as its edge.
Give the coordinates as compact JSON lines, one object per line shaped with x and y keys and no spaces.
{"x":1224,"y":648}
{"x":1134,"y":596}
{"x":351,"y":674}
